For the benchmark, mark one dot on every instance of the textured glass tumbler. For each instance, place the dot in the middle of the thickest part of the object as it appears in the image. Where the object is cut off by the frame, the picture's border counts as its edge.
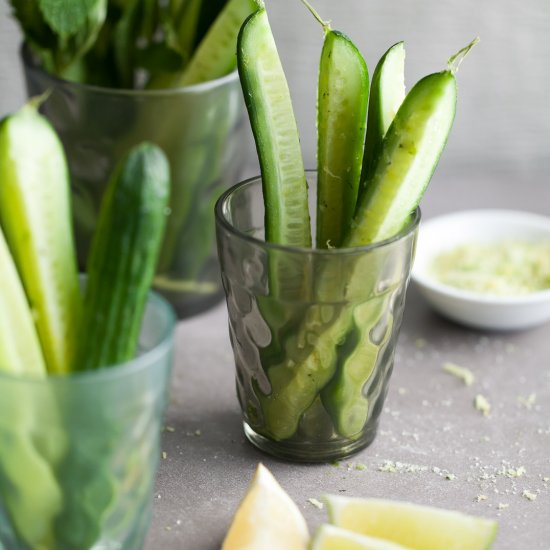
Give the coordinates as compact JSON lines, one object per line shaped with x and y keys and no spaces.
{"x":202,"y":129}
{"x":79,"y":453}
{"x":313,"y":331}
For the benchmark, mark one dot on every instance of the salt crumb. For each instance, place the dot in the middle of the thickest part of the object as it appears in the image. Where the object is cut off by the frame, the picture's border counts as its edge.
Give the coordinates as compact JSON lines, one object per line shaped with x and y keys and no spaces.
{"x":546,"y":479}
{"x":164,"y":455}
{"x":170,"y":429}
{"x":317,"y":503}
{"x":527,"y":402}
{"x":198,"y":433}
{"x":450,"y":477}
{"x":529,"y":495}
{"x":401,"y":467}
{"x":480,"y":498}
{"x":482,"y":405}
{"x":502,"y":506}
{"x":464,"y":374}
{"x":518,"y":472}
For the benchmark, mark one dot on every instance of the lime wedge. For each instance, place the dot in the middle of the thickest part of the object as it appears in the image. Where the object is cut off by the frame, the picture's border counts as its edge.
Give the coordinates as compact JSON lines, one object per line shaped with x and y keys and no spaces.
{"x":329,"y":537}
{"x":411,"y":525}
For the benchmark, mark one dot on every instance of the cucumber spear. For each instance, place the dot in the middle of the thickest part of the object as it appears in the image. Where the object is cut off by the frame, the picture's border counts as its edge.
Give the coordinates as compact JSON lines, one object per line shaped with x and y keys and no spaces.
{"x":386,"y":95}
{"x":28,"y":487}
{"x":35,"y":215}
{"x":342,"y":99}
{"x":269,"y":105}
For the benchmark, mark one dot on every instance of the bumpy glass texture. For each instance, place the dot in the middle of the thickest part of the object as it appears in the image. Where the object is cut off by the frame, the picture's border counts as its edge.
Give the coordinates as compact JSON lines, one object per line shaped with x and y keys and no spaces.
{"x":203,"y":133}
{"x":78,"y":453}
{"x":313,"y":331}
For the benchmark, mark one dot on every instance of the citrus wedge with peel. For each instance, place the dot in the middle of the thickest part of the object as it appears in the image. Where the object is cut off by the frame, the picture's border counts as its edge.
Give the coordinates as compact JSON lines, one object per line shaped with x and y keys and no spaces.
{"x":267,"y":518}
{"x":329,"y":537}
{"x":411,"y":525}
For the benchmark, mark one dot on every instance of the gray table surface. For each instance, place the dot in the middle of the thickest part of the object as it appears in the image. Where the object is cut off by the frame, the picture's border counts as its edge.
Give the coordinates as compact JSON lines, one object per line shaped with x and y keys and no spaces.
{"x":429,"y":427}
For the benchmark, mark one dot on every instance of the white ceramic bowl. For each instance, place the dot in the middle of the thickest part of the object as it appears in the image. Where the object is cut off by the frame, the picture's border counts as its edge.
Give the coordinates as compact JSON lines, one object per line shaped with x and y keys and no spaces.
{"x":472,"y":308}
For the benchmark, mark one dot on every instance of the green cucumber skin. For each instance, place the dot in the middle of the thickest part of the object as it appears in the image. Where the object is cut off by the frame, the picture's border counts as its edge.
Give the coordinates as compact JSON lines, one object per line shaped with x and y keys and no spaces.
{"x":342,"y":100}
{"x":408,"y":158}
{"x":284,"y":182}
{"x":35,"y":215}
{"x":381,"y":109}
{"x":123,"y":258}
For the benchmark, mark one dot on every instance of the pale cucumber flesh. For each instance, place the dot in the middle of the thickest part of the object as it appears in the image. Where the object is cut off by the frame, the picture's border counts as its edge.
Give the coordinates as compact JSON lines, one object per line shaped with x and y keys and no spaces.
{"x":20,"y":351}
{"x":267,"y":98}
{"x":408,"y":157}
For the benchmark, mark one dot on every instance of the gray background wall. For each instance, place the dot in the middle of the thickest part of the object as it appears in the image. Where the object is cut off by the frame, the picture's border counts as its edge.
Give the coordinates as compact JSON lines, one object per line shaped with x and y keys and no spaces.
{"x":503,"y":119}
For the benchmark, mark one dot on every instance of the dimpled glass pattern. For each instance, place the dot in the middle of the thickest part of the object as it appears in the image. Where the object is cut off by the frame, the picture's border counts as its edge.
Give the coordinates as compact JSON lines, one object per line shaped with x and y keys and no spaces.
{"x":313,"y":331}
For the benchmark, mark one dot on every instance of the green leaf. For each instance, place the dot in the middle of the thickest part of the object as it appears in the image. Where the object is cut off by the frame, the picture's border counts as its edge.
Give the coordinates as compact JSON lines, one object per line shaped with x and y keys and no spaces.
{"x":68,"y":17}
{"x":32,"y":23}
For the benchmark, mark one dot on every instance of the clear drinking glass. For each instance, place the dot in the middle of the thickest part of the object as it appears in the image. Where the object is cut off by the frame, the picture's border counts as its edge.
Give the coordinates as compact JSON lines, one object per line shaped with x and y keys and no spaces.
{"x":79,"y":453}
{"x":201,"y":128}
{"x":313,"y":331}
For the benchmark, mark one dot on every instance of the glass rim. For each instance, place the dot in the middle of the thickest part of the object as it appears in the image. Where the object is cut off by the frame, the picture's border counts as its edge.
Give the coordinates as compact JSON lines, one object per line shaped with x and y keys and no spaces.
{"x":221,"y":219}
{"x":110,"y":372}
{"x":31,"y":65}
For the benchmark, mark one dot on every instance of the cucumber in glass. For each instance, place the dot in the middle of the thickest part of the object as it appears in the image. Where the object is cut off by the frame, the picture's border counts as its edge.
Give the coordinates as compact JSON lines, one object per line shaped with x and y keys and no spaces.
{"x":324,"y":357}
{"x":36,"y":219}
{"x":123,"y":258}
{"x":29,"y":490}
{"x":214,"y":56}
{"x":425,"y":119}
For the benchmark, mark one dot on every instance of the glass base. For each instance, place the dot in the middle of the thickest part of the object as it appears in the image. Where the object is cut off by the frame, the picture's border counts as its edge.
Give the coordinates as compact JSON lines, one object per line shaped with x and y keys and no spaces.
{"x":303,"y":451}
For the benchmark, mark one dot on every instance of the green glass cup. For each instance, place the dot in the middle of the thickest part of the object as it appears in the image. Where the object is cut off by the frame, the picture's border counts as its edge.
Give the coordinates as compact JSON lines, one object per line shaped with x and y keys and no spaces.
{"x":313,"y":331}
{"x":203,"y":131}
{"x":79,"y":453}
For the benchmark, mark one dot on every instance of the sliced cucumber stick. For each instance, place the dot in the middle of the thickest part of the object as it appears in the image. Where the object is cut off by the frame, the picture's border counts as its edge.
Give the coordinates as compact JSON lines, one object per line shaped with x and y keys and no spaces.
{"x":341,"y":116}
{"x":35,"y":215}
{"x":386,"y":95}
{"x":20,"y":351}
{"x":408,"y":157}
{"x":215,"y":55}
{"x":267,"y":99}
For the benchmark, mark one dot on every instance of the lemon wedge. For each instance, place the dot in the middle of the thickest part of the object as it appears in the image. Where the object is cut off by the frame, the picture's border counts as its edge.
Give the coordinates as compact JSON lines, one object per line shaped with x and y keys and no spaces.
{"x":329,"y":537}
{"x":267,"y":518}
{"x":411,"y":525}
